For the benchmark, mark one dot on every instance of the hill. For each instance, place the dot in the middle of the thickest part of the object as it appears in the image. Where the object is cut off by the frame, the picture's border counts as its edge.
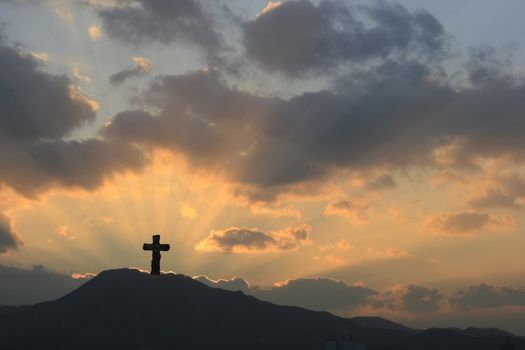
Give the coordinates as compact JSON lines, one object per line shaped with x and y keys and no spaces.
{"x":128,"y":309}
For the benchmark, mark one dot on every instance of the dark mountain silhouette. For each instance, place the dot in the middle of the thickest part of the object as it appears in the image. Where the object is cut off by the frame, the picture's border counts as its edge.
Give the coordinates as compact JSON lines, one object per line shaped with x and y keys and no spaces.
{"x":128,"y":309}
{"x":378,"y":322}
{"x":485,"y":332}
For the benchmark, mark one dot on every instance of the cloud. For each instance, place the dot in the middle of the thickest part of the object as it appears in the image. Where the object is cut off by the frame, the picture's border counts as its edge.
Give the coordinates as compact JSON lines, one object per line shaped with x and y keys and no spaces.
{"x":445,"y":178}
{"x":34,"y":285}
{"x":37,"y":111}
{"x":467,"y":222}
{"x":507,"y":191}
{"x":95,"y":32}
{"x":8,"y":236}
{"x":37,"y":166}
{"x":142,"y":67}
{"x":249,"y":240}
{"x":494,"y":198}
{"x":65,"y":232}
{"x":28,"y":113}
{"x":39,"y":55}
{"x":486,"y":296}
{"x":395,"y":115}
{"x":317,"y":38}
{"x":232,"y":284}
{"x":63,"y":11}
{"x":408,"y":298}
{"x":83,"y":276}
{"x":356,"y":209}
{"x":318,"y":293}
{"x":315,"y":293}
{"x":382,"y":182}
{"x":79,"y":76}
{"x":271,"y":5}
{"x":137,"y":22}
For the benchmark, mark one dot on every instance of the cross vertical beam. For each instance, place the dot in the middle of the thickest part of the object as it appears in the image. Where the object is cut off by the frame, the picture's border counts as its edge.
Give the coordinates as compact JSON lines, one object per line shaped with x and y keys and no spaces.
{"x":156,"y":247}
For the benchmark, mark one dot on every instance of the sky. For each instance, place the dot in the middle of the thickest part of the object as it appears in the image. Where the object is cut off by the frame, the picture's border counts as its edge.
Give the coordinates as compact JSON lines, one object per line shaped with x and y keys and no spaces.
{"x":360,"y":157}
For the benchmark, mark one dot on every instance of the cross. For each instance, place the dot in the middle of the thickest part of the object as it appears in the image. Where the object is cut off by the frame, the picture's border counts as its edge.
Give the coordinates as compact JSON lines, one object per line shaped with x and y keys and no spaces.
{"x":155,"y":248}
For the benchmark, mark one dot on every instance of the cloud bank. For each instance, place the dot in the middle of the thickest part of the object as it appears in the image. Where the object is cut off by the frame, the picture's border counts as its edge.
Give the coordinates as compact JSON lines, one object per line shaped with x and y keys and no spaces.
{"x":38,"y":110}
{"x":421,"y":306}
{"x":397,"y":115}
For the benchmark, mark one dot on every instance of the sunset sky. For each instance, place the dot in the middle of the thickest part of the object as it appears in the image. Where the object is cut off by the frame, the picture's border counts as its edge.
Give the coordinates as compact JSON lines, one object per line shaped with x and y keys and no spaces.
{"x":379,"y":145}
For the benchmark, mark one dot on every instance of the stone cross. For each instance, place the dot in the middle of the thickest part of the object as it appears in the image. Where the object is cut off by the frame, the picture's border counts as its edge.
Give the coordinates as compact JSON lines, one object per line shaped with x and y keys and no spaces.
{"x":155,"y":248}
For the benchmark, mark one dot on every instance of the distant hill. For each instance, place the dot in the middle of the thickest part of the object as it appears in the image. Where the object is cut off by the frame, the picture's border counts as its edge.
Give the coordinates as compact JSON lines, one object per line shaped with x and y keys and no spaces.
{"x":127,"y":309}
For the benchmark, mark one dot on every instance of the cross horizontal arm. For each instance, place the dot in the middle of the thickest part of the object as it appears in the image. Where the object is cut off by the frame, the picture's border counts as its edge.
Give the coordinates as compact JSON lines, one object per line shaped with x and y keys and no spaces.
{"x":159,"y":247}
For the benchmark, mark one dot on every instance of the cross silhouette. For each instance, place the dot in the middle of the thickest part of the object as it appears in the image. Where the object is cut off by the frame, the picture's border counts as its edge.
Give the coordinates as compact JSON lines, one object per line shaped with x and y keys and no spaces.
{"x":156,"y":247}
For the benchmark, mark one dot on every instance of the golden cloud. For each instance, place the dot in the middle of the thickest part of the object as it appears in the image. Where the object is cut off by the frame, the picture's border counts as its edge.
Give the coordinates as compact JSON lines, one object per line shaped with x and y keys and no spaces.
{"x":253,"y":240}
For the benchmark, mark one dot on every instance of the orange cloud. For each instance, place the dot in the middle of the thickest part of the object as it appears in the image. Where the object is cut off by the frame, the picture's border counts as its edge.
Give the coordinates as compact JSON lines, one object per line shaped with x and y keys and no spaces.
{"x":251,"y":240}
{"x":271,"y":5}
{"x":79,"y":76}
{"x":83,"y":276}
{"x":95,"y":32}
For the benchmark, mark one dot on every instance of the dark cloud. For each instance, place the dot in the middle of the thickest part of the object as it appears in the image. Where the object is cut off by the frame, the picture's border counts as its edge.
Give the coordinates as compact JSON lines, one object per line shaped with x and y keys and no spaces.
{"x":141,"y":21}
{"x":467,"y":222}
{"x":495,"y":198}
{"x":34,"y":104}
{"x":142,"y":67}
{"x":8,"y":236}
{"x":266,"y":141}
{"x":398,"y":114}
{"x":246,"y":240}
{"x":22,"y":287}
{"x":410,"y":298}
{"x":486,"y":296}
{"x":299,"y":36}
{"x":36,"y":166}
{"x":37,"y":111}
{"x":508,"y":192}
{"x":458,"y":223}
{"x":312,"y":293}
{"x":316,"y":293}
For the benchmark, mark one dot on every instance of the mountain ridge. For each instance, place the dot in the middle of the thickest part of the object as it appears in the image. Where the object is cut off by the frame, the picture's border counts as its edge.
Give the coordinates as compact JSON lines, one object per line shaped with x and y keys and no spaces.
{"x":129,"y":309}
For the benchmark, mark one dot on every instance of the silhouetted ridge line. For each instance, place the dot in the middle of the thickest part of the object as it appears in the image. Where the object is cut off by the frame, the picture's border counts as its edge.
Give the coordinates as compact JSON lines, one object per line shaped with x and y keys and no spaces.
{"x":130,"y":309}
